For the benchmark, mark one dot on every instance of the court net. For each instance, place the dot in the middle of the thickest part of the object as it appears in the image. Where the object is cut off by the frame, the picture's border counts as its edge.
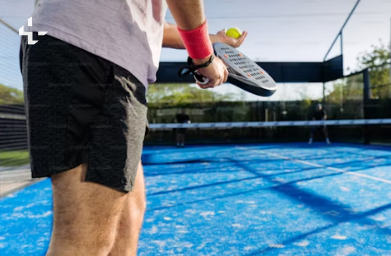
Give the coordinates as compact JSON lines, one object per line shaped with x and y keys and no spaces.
{"x":13,"y":133}
{"x":366,"y":131}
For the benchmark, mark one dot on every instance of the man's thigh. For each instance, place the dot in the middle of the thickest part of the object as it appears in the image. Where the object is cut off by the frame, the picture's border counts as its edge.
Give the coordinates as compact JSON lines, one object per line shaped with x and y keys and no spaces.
{"x":84,"y":212}
{"x":131,"y":219}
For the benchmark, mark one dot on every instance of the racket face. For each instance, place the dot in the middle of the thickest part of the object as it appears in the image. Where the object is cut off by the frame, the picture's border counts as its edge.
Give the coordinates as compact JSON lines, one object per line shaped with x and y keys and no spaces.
{"x":244,"y":72}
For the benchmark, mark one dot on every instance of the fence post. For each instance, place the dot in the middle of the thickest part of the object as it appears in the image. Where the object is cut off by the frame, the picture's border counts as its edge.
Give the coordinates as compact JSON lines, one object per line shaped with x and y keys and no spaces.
{"x":366,"y":104}
{"x":367,"y":86}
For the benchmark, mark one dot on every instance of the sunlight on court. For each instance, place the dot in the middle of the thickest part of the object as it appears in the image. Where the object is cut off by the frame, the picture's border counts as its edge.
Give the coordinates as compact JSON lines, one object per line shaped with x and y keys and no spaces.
{"x":263,"y":127}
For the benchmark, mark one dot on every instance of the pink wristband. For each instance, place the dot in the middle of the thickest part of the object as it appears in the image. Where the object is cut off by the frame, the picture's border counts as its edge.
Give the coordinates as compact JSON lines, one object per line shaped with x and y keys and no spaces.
{"x":197,"y":41}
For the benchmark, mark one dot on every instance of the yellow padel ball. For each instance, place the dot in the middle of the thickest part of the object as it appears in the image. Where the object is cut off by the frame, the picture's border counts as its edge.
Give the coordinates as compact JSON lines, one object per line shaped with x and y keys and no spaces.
{"x":233,"y":32}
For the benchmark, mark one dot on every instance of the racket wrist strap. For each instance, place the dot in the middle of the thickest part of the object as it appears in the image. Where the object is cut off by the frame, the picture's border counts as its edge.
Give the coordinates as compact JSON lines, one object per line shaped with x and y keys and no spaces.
{"x":197,"y":41}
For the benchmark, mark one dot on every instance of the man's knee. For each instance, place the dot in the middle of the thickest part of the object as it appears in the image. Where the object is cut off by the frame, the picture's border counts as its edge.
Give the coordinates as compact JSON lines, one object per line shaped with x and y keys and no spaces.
{"x":138,"y":205}
{"x":143,"y":207}
{"x":138,"y":196}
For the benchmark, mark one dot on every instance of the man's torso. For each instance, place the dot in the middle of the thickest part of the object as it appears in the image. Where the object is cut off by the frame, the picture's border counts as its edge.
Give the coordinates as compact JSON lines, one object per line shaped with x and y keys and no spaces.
{"x":182,"y":118}
{"x":319,"y":115}
{"x":128,"y":33}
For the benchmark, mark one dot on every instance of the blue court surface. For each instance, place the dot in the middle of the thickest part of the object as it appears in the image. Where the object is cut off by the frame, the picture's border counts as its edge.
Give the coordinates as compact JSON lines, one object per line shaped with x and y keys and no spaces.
{"x":269,"y":199}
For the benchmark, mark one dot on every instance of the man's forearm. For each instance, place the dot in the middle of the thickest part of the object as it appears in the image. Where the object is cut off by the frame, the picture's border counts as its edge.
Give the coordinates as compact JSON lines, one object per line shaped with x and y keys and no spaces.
{"x":172,"y":39}
{"x":188,"y":14}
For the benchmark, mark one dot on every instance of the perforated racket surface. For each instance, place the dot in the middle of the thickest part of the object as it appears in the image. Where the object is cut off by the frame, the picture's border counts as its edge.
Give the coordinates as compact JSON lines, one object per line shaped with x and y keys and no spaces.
{"x":243,"y":72}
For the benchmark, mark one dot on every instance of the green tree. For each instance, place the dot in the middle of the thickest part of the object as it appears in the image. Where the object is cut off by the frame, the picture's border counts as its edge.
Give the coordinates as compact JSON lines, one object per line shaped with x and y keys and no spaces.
{"x":184,"y":93}
{"x":9,"y":96}
{"x":379,"y":55}
{"x":351,"y":88}
{"x":377,"y":60}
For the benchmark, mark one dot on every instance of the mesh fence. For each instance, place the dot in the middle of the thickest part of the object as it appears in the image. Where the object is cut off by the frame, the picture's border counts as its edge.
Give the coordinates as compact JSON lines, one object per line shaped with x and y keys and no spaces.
{"x":13,"y":133}
{"x":344,"y":97}
{"x":380,"y":82}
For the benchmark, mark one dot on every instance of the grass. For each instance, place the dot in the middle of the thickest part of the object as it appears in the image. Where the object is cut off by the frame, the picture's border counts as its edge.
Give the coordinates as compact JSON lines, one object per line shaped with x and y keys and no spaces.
{"x":14,"y":158}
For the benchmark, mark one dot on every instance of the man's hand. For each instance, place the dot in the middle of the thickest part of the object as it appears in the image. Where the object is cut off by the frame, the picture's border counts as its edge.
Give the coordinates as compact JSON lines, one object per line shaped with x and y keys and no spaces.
{"x":223,"y":38}
{"x":172,"y":39}
{"x":216,"y":72}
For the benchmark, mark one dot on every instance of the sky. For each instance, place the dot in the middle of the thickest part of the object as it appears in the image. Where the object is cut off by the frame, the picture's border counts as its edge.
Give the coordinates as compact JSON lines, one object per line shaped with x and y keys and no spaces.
{"x":279,"y":30}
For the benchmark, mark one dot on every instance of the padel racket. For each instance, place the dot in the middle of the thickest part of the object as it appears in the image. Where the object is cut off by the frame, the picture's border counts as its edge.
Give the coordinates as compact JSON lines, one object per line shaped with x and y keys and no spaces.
{"x":242,"y":72}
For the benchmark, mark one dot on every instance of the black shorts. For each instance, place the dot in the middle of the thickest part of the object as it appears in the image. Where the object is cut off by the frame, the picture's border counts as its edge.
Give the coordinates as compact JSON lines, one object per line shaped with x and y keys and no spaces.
{"x":181,"y":131}
{"x":318,"y":128}
{"x":81,"y":108}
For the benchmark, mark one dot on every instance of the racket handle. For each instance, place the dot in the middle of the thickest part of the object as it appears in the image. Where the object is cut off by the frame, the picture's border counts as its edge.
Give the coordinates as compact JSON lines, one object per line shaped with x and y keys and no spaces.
{"x":200,"y":78}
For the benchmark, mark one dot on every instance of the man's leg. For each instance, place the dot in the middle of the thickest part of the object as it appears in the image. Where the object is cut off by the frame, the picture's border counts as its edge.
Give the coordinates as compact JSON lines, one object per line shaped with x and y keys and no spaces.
{"x":72,"y":123}
{"x":312,"y":135}
{"x":85,"y":215}
{"x":178,"y":138}
{"x":183,"y":138}
{"x":131,"y":220}
{"x":326,"y":135}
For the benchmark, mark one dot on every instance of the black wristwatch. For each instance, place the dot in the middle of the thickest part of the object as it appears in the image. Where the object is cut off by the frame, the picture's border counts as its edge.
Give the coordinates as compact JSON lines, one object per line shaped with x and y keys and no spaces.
{"x":195,"y":67}
{"x":191,"y":68}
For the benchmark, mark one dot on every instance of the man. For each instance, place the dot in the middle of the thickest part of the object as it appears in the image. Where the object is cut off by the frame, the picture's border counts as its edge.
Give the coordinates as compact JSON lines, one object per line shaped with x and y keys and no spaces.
{"x":181,"y":118}
{"x":85,"y":84}
{"x":319,"y":114}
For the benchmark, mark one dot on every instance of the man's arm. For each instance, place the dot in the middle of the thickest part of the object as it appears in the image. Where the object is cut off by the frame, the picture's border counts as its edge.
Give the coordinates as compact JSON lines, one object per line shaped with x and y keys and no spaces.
{"x":190,"y":19}
{"x":172,"y":39}
{"x":189,"y":15}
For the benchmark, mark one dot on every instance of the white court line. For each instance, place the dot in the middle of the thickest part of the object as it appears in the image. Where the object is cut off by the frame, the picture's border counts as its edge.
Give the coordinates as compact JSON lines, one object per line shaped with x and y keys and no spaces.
{"x":320,"y":166}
